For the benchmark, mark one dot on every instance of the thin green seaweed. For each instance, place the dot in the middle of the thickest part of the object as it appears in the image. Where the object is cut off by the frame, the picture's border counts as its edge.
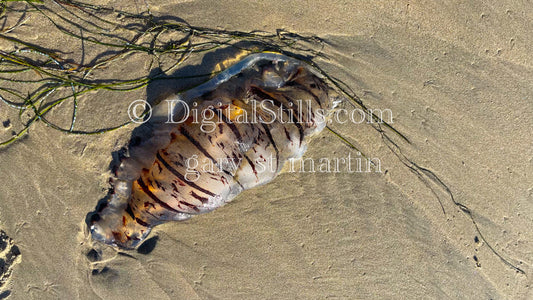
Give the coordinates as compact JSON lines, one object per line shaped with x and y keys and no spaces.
{"x":55,"y":73}
{"x":56,"y":78}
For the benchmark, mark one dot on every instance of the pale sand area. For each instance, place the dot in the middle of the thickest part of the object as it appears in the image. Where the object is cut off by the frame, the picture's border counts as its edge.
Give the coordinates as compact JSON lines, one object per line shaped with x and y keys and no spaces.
{"x":459,"y":80}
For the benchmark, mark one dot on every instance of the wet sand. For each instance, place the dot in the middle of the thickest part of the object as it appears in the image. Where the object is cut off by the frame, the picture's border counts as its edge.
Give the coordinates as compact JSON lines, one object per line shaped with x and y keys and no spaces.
{"x":458,"y":80}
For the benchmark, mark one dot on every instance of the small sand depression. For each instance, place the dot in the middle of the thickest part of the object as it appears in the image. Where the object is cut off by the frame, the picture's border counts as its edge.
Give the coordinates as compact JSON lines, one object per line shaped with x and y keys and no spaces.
{"x":9,"y":258}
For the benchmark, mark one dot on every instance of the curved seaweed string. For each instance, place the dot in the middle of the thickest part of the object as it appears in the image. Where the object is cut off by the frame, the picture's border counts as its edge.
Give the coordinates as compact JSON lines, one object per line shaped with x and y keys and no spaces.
{"x":60,"y":79}
{"x":56,"y":74}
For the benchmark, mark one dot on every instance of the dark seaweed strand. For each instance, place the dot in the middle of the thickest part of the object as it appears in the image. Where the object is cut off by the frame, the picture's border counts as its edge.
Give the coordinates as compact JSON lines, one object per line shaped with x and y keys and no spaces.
{"x":427,"y":177}
{"x":346,"y":91}
{"x":424,"y":174}
{"x":290,"y":41}
{"x":76,"y":17}
{"x":279,"y":42}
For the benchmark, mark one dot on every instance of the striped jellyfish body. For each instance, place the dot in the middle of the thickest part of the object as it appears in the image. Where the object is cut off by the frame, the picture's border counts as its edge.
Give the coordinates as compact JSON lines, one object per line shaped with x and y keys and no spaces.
{"x":240,"y":129}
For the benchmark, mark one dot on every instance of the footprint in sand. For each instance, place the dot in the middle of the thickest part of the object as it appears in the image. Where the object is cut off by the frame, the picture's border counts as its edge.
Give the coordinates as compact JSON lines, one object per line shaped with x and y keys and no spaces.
{"x":9,"y":256}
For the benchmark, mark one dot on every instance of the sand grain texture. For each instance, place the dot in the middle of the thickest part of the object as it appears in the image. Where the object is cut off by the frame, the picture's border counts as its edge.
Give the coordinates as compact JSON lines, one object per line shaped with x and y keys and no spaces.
{"x":458,"y":79}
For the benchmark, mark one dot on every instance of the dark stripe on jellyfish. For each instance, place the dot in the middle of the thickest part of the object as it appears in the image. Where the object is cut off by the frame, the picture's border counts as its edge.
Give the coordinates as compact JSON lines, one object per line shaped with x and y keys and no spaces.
{"x":305,"y":89}
{"x":181,"y":177}
{"x":202,"y":199}
{"x":251,"y":165}
{"x":230,"y":124}
{"x":235,"y":131}
{"x":197,"y":144}
{"x":294,"y":107}
{"x":269,"y":135}
{"x":130,"y":211}
{"x":189,"y":205}
{"x":263,"y":95}
{"x":299,"y":122}
{"x":154,"y":197}
{"x":287,"y":134}
{"x":237,"y":181}
{"x":141,"y":222}
{"x":146,"y":204}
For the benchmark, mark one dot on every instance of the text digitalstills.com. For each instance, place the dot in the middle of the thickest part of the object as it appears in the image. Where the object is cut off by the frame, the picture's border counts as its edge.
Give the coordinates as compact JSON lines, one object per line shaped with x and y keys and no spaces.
{"x":140,"y":111}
